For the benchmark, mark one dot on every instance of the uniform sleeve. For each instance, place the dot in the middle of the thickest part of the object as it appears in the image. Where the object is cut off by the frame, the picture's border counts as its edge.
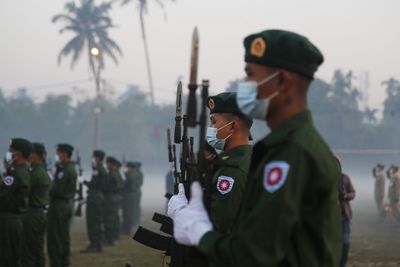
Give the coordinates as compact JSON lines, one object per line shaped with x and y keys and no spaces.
{"x":264,"y":235}
{"x":225,"y":207}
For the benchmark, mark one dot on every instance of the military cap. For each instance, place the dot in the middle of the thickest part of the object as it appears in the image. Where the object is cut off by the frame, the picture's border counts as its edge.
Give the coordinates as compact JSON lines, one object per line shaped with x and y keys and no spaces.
{"x":39,"y":149}
{"x":283,"y":49}
{"x":113,"y":161}
{"x":21,"y":145}
{"x":65,"y":147}
{"x":130,"y":164}
{"x":99,"y":154}
{"x":224,"y":103}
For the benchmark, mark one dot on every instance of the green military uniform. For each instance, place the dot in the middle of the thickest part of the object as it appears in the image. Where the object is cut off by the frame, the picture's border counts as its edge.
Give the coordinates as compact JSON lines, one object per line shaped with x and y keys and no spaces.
{"x":228,"y":186}
{"x":229,"y":178}
{"x":290,"y":212}
{"x":131,"y":195}
{"x":14,"y":199}
{"x":394,"y":192}
{"x":60,"y":211}
{"x":34,"y":220}
{"x":95,"y":203}
{"x":112,"y":202}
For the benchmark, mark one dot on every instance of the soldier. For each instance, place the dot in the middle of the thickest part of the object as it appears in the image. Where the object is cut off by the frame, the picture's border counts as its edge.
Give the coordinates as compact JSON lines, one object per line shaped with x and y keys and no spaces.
{"x":112,"y":201}
{"x":290,"y":213}
{"x":34,"y":220}
{"x":379,"y":174}
{"x":394,"y":191}
{"x":95,"y":203}
{"x":14,"y":197}
{"x":131,"y":194}
{"x":228,"y":134}
{"x":61,"y":206}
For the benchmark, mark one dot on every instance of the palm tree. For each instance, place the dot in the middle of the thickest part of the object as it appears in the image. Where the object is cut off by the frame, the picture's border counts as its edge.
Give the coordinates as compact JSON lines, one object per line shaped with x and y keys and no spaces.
{"x":90,"y":24}
{"x":142,"y":6}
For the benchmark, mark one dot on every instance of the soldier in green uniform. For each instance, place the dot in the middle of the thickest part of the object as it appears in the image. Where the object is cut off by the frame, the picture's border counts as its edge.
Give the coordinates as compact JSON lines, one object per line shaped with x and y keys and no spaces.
{"x":228,"y":134}
{"x":34,"y":220}
{"x":131,"y":195}
{"x":14,"y":199}
{"x":112,"y":201}
{"x":95,"y":203}
{"x":60,"y":210}
{"x":290,"y":211}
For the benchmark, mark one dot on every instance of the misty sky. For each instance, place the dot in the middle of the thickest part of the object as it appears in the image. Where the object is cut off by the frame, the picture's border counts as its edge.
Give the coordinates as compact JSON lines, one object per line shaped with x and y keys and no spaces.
{"x":358,"y":35}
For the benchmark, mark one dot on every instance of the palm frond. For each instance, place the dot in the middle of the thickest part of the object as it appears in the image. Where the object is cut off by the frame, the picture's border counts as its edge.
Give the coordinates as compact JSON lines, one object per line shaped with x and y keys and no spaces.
{"x":75,"y":43}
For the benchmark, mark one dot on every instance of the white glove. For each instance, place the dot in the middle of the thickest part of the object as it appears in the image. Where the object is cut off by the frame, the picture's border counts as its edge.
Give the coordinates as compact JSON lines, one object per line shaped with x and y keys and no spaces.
{"x":192,"y":222}
{"x":177,"y":202}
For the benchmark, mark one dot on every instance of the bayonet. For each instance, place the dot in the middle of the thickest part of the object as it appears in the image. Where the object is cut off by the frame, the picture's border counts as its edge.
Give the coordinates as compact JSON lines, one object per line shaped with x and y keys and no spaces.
{"x":194,"y":60}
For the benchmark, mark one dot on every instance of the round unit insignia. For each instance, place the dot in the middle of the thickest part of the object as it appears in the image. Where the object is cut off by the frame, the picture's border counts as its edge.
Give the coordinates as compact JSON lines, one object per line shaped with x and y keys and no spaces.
{"x":225,"y":184}
{"x":275,"y":174}
{"x":8,"y":180}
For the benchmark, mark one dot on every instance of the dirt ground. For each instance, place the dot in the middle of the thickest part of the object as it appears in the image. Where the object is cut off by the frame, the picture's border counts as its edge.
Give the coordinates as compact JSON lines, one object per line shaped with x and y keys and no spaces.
{"x":373,"y":244}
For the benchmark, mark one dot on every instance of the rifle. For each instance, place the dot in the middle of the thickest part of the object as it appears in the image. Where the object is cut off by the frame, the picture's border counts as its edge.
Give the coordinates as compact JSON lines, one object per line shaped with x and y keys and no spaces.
{"x":191,"y":168}
{"x":80,"y":200}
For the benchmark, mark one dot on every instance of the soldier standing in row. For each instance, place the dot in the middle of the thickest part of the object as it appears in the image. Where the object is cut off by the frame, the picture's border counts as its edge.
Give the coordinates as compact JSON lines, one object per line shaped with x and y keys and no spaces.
{"x":131,"y":195}
{"x":394,"y":191}
{"x":228,"y":135}
{"x":14,"y":197}
{"x":290,"y":213}
{"x":95,"y":203}
{"x":112,"y":201}
{"x":379,"y":175}
{"x":60,"y":210}
{"x":34,"y":220}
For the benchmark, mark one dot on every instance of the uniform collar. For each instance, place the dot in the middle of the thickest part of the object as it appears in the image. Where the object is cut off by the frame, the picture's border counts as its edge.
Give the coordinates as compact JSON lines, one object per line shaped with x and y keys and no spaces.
{"x":282,"y":132}
{"x":234,"y":155}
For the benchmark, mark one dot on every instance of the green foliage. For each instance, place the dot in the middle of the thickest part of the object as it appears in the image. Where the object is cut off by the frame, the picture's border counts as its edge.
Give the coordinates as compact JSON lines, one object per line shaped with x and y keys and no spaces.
{"x":133,"y":127}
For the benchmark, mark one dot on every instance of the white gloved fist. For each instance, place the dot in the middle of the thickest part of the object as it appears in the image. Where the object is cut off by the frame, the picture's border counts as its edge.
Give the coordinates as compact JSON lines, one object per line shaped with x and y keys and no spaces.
{"x":177,"y":202}
{"x":192,"y":222}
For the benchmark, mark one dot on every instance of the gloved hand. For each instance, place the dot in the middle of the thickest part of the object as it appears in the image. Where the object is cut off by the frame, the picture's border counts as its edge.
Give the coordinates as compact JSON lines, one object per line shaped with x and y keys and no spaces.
{"x":177,"y":202}
{"x":192,"y":222}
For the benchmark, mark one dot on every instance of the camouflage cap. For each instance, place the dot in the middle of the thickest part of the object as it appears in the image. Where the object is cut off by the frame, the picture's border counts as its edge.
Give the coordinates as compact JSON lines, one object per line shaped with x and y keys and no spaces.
{"x":283,"y":49}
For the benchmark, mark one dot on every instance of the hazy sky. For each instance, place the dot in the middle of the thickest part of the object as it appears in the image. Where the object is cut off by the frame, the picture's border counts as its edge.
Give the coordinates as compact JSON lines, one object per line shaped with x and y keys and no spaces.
{"x":358,"y":35}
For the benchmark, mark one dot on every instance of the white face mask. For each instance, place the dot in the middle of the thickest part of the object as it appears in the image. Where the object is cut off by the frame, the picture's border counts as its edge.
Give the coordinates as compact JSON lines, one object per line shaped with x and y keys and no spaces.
{"x":212,"y":140}
{"x":94,"y":163}
{"x":57,"y":158}
{"x":9,"y":157}
{"x":247,"y":101}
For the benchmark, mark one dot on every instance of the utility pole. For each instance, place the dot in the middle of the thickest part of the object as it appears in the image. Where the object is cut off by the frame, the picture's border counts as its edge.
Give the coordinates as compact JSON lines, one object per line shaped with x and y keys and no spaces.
{"x":95,"y":52}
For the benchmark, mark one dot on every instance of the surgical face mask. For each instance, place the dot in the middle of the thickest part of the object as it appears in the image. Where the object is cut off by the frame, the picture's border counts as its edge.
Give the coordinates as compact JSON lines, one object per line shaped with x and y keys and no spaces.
{"x":57,"y":158}
{"x":247,"y":101}
{"x":94,"y":163}
{"x":212,"y":140}
{"x":9,"y":157}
